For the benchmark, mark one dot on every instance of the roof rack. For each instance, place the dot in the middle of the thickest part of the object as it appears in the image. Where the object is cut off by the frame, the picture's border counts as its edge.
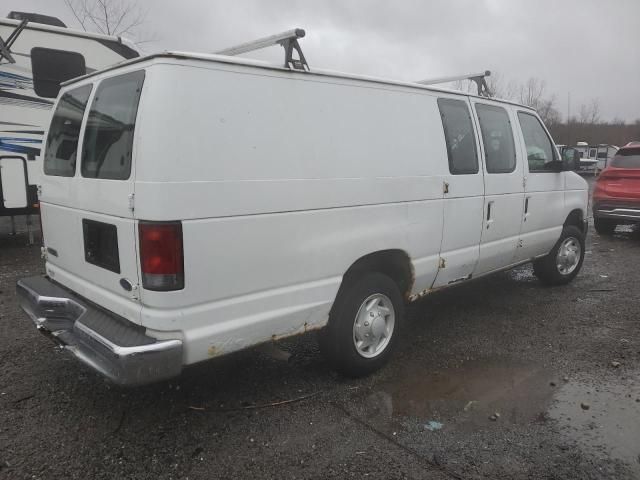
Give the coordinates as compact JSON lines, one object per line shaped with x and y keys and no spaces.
{"x":288,"y":40}
{"x":5,"y":45}
{"x":478,"y":78}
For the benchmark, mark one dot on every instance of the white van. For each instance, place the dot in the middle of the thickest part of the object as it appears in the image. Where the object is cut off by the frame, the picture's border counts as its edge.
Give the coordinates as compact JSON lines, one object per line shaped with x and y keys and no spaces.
{"x":194,"y":205}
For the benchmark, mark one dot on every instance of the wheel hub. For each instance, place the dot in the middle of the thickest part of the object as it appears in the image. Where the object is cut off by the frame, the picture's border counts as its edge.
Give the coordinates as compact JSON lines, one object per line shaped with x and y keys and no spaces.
{"x":568,"y":256}
{"x":373,"y":325}
{"x":377,"y":326}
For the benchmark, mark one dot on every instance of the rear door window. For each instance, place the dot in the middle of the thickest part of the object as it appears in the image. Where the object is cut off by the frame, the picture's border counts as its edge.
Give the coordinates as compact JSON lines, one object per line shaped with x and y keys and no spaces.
{"x":540,"y":149}
{"x":108,"y":137}
{"x":458,"y":132}
{"x":62,"y":142}
{"x":626,"y":158}
{"x":497,"y":138}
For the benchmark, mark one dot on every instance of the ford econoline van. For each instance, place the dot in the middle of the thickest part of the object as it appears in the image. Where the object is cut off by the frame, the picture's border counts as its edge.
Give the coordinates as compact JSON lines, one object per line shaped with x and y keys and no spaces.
{"x":194,"y":205}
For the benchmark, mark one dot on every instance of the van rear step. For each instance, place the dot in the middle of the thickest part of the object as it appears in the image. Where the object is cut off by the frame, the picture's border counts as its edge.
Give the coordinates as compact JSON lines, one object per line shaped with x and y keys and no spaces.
{"x":111,"y":345}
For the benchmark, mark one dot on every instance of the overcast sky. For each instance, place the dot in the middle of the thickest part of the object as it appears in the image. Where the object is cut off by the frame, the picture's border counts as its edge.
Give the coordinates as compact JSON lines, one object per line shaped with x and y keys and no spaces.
{"x":590,"y":48}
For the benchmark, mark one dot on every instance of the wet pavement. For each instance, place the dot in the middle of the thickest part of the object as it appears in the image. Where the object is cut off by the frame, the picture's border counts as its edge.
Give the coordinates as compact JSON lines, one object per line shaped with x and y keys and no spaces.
{"x":610,"y":425}
{"x":498,"y":378}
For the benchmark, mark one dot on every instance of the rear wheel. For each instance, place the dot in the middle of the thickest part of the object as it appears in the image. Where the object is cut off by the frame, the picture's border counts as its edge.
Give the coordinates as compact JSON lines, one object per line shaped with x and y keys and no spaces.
{"x":564,"y":261}
{"x":604,"y":226}
{"x":363,"y":325}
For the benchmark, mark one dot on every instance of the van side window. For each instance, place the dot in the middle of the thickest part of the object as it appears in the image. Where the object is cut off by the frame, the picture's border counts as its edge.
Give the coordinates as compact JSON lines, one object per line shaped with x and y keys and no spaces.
{"x":458,"y":133}
{"x":497,"y":137}
{"x":108,"y":137}
{"x":540,"y":150}
{"x":62,"y":141}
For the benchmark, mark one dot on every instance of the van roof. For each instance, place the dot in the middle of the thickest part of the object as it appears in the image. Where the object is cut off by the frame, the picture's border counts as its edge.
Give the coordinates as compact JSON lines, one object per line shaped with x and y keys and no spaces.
{"x":122,"y":46}
{"x":214,"y":58}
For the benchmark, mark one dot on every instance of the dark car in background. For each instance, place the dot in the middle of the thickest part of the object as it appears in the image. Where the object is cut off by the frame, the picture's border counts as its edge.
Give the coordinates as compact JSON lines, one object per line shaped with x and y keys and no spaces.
{"x":616,"y":194}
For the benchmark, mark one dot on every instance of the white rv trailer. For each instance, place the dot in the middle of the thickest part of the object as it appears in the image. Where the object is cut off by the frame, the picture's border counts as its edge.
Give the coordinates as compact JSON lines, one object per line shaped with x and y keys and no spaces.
{"x":206,"y":203}
{"x":595,"y":157}
{"x":25,"y":106}
{"x":605,"y":153}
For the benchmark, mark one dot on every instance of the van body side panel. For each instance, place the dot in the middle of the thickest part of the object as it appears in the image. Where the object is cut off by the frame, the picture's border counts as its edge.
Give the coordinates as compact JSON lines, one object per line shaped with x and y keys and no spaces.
{"x":282,"y":181}
{"x":546,"y":214}
{"x":576,"y":194}
{"x":250,"y":271}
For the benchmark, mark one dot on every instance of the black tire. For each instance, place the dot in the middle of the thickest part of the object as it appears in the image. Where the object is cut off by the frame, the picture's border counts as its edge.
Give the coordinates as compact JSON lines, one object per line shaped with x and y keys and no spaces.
{"x":546,"y":268}
{"x":337,"y":338}
{"x":604,"y":226}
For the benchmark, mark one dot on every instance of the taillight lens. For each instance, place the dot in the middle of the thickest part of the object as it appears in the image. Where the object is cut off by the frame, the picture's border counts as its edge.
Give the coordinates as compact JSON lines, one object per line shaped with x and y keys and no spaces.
{"x":161,"y":255}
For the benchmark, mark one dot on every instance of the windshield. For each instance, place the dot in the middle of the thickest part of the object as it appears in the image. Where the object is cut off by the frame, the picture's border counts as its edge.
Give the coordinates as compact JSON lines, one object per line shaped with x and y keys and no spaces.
{"x":626,"y":158}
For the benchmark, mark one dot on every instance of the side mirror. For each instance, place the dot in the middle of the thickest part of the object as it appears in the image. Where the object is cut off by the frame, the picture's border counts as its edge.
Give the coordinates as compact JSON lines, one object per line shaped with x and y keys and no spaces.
{"x":52,"y":67}
{"x":570,"y":160}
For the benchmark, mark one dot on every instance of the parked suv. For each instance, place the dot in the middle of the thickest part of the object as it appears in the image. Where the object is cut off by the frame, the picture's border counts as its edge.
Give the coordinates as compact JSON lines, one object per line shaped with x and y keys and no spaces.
{"x":616,"y":194}
{"x":194,"y":205}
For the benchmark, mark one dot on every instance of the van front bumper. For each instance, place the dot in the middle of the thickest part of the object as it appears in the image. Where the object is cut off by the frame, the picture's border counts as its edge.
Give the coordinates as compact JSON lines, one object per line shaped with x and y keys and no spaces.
{"x":109,"y":344}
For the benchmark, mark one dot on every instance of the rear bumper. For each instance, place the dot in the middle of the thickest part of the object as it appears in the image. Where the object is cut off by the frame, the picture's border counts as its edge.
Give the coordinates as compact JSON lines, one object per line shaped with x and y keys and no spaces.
{"x":624,"y":212}
{"x":111,"y":345}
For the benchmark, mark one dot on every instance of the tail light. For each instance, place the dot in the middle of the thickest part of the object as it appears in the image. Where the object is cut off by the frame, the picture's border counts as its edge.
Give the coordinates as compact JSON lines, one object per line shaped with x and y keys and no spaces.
{"x":161,"y":255}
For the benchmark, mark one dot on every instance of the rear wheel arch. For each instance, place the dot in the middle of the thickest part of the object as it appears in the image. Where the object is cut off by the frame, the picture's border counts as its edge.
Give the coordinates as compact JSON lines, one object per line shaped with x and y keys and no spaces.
{"x":394,"y":263}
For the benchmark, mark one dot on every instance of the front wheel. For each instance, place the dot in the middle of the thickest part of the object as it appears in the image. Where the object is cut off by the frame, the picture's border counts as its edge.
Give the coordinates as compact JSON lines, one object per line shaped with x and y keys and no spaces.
{"x":363,"y":325}
{"x":564,"y":261}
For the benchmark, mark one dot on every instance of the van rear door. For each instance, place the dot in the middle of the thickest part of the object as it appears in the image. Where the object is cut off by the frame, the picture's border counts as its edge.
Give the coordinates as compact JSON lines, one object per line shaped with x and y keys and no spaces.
{"x":87,"y":209}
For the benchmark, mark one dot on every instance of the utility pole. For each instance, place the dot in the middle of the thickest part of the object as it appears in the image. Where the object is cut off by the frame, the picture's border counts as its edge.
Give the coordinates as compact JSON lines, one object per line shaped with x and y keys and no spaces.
{"x":568,"y":118}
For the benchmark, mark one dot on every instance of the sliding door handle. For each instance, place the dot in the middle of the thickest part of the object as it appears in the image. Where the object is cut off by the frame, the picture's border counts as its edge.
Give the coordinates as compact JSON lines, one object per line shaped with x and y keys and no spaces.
{"x":489,"y":210}
{"x":489,"y":214}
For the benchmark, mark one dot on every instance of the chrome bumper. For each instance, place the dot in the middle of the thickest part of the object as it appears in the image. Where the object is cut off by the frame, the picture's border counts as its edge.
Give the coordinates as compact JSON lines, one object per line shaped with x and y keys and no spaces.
{"x":111,"y":345}
{"x":620,"y":212}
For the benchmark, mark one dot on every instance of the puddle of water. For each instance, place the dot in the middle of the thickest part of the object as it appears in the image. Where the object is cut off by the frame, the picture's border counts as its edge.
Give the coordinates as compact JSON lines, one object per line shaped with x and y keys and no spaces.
{"x":611,"y":425}
{"x":468,"y":395}
{"x":473,"y":392}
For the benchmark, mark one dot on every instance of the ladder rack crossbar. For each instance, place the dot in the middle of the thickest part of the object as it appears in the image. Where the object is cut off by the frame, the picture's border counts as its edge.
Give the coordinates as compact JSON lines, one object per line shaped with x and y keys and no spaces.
{"x":478,"y":78}
{"x":288,"y":40}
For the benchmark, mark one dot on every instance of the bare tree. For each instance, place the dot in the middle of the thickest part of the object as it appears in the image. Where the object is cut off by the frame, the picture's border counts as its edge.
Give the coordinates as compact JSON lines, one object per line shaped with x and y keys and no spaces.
{"x":590,"y":114}
{"x":532,"y":94}
{"x":548,"y":112}
{"x":109,"y":17}
{"x":594,"y":109}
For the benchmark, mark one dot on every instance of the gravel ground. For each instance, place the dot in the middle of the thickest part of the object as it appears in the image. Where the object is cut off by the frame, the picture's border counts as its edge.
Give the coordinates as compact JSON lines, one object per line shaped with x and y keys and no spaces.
{"x":540,"y":358}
